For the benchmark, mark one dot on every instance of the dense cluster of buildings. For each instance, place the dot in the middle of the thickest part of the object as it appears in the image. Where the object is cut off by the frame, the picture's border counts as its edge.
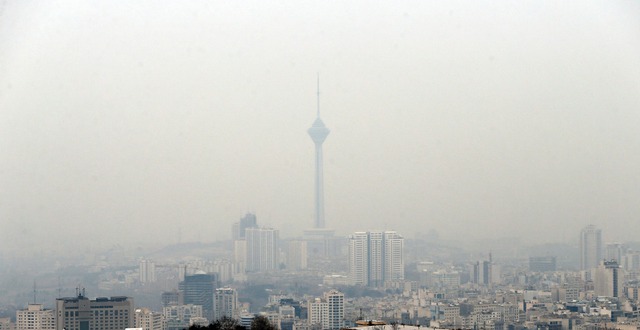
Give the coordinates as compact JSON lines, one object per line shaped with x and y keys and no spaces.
{"x":484,"y":293}
{"x":359,"y":280}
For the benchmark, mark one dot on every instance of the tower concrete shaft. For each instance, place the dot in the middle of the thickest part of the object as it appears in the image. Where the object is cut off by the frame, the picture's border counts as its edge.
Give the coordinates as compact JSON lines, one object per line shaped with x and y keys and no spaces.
{"x":318,"y":133}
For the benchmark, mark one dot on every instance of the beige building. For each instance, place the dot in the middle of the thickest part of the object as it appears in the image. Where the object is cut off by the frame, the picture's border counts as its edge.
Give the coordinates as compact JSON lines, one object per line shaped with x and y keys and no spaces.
{"x":81,"y":313}
{"x":225,"y":303}
{"x":328,"y":312}
{"x":146,"y":319}
{"x":182,"y":312}
{"x":608,"y":279}
{"x":35,"y":317}
{"x":6,"y":324}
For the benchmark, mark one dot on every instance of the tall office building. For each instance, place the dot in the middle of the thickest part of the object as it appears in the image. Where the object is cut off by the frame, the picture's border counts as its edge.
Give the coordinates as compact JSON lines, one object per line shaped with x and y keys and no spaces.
{"x":376,"y":257}
{"x":81,"y":313}
{"x":146,"y":319}
{"x":608,"y":279}
{"x":225,"y":303}
{"x":198,"y":289}
{"x":328,"y":311}
{"x":35,"y":317}
{"x":590,"y":247}
{"x":262,"y":249}
{"x":238,"y":229}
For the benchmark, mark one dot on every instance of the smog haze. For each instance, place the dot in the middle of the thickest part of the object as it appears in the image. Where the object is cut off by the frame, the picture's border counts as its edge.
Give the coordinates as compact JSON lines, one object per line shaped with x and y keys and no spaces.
{"x":159,"y":122}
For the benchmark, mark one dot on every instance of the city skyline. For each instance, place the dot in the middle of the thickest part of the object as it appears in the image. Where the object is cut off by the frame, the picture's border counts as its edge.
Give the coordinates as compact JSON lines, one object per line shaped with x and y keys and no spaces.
{"x":482,"y":170}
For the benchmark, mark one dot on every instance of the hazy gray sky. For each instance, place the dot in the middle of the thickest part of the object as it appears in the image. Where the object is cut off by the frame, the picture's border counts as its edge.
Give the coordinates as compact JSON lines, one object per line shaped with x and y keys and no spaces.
{"x":133,"y":120}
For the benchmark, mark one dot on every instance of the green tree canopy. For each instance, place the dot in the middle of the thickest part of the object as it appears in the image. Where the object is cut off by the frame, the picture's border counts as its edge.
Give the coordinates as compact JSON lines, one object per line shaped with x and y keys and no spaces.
{"x":225,"y":323}
{"x":262,"y":323}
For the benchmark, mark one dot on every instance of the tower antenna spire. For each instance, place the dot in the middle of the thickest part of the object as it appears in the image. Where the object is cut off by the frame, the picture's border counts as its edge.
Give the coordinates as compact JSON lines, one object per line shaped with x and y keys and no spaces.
{"x":318,"y":92}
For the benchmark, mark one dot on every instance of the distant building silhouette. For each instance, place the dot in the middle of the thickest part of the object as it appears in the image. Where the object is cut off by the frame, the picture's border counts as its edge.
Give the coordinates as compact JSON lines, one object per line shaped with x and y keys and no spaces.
{"x":590,"y":247}
{"x":542,"y":264}
{"x":614,"y":251}
{"x":297,"y":255}
{"x":238,"y":229}
{"x":482,"y":272}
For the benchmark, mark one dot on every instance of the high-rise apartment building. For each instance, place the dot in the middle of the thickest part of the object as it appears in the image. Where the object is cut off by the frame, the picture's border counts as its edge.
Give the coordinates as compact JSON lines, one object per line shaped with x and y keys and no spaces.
{"x":35,"y":317}
{"x":198,"y":289}
{"x":328,"y":312}
{"x":262,"y":249}
{"x":225,"y":303}
{"x":81,"y":313}
{"x":590,"y":247}
{"x":146,"y":271}
{"x":393,"y":256}
{"x":376,"y":257}
{"x":146,"y":319}
{"x":335,"y":307}
{"x":359,"y":258}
